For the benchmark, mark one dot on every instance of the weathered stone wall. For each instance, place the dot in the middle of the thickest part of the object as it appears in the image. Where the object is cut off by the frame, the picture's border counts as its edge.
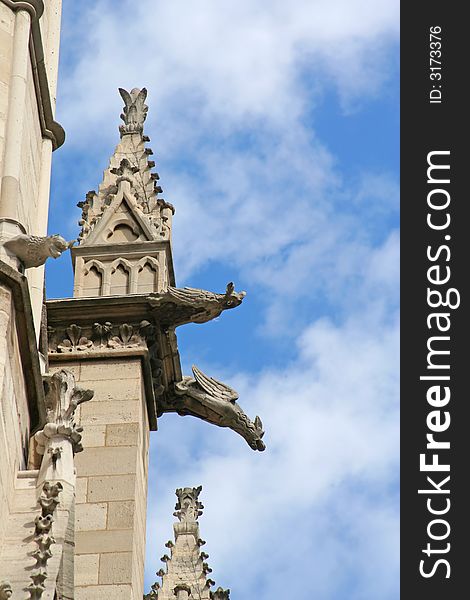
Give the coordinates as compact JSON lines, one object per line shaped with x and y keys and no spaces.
{"x":111,"y":480}
{"x":14,"y":414}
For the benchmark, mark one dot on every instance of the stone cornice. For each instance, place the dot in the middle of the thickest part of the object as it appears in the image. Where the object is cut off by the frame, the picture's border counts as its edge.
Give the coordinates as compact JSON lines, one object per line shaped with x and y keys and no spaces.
{"x":27,"y":342}
{"x":49,"y":127}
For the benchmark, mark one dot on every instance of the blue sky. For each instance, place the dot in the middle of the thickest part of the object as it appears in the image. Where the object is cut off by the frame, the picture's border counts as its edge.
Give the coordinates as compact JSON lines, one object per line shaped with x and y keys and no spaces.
{"x":275,"y":132}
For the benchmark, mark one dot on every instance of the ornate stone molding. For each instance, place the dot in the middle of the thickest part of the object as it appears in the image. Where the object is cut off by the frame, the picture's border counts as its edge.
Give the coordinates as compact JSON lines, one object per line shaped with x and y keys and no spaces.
{"x":99,"y":336}
{"x":49,"y":127}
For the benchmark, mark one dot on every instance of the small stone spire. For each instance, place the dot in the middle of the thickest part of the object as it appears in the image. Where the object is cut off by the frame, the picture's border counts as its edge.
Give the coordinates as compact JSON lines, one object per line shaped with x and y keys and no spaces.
{"x":130,"y":162}
{"x":126,"y":223}
{"x":185,"y":577}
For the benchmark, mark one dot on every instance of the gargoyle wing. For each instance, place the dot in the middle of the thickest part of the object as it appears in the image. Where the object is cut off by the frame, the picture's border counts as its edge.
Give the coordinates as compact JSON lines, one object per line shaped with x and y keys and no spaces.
{"x":214,"y":388}
{"x":190,"y":295}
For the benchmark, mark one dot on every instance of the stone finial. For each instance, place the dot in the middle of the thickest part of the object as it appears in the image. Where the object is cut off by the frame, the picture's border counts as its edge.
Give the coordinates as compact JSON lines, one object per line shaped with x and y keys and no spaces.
{"x":188,"y":509}
{"x":5,"y":590}
{"x":33,"y":251}
{"x":134,"y":112}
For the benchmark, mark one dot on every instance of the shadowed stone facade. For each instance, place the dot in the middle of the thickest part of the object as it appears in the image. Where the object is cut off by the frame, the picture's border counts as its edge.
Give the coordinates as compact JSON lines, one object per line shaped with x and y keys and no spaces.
{"x":84,"y":380}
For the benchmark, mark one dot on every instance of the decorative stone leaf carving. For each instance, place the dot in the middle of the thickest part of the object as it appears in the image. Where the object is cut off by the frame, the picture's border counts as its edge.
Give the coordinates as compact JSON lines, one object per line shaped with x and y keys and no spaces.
{"x":135,"y":110}
{"x":62,"y":398}
{"x":74,"y":340}
{"x":188,"y":508}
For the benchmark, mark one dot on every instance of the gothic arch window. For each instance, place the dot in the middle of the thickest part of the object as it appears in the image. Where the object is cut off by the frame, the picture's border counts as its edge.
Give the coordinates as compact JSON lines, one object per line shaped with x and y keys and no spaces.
{"x":93,"y":279}
{"x":120,"y":278}
{"x":147,"y":275}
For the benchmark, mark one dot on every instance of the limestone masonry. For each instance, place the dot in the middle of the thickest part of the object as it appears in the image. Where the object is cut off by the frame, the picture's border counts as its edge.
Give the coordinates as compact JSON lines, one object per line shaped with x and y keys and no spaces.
{"x":84,"y":380}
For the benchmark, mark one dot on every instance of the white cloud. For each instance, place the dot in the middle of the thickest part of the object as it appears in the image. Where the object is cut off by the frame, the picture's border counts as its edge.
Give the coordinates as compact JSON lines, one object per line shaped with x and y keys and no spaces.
{"x":229,"y":61}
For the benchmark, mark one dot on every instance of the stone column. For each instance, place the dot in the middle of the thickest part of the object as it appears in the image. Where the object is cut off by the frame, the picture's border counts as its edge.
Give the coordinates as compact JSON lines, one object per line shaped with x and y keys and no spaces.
{"x":9,"y":226}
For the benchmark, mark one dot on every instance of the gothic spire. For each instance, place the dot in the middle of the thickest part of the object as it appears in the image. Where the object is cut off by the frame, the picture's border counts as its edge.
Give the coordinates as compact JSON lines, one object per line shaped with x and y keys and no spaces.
{"x":131,"y":164}
{"x":186,"y":573}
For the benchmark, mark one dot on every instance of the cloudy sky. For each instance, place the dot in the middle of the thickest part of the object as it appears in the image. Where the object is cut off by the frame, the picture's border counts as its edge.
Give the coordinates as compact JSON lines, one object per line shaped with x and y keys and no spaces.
{"x":275,"y":131}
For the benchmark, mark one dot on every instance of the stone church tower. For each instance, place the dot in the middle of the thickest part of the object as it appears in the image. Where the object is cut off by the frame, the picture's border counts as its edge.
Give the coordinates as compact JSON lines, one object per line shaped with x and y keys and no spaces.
{"x":84,"y":380}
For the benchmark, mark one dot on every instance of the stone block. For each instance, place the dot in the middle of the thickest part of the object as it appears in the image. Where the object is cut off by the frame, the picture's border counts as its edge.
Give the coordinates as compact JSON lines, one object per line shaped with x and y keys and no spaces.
{"x":104,"y":592}
{"x":107,"y":461}
{"x":102,"y":413}
{"x":93,"y":436}
{"x":116,"y":389}
{"x":97,"y":542}
{"x":86,"y":569}
{"x":125,"y":434}
{"x":121,"y":515}
{"x":111,"y":487}
{"x":100,"y":370}
{"x":115,"y":567}
{"x":90,"y":517}
{"x":81,"y":490}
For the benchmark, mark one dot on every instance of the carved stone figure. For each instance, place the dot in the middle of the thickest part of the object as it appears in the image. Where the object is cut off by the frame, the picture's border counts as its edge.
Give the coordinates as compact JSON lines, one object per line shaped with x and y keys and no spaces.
{"x":33,"y":251}
{"x":135,"y":110}
{"x":215,"y":402}
{"x":177,"y":306}
{"x":5,"y":590}
{"x":62,"y":399}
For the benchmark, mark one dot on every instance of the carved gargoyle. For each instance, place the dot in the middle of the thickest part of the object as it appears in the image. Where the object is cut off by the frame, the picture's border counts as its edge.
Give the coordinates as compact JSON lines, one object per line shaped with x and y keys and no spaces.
{"x":178,"y":306}
{"x":135,"y":110}
{"x":33,"y":251}
{"x":208,"y":399}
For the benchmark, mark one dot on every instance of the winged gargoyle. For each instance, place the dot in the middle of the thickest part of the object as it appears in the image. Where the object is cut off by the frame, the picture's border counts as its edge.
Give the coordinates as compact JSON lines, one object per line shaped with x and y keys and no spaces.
{"x":208,"y":399}
{"x":178,"y":306}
